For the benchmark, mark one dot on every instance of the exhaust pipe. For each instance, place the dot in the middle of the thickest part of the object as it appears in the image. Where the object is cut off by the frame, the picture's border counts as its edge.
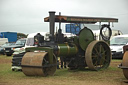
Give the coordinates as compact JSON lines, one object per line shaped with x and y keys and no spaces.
{"x":52,"y":24}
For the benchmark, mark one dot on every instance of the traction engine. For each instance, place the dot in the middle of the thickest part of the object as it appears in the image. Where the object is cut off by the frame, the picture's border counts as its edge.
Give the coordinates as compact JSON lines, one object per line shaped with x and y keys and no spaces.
{"x":79,"y":51}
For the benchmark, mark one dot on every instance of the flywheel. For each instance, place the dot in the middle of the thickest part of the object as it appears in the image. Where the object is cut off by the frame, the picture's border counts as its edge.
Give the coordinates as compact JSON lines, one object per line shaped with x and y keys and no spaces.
{"x":86,"y":36}
{"x":37,"y":64}
{"x":98,"y":55}
{"x":125,"y":64}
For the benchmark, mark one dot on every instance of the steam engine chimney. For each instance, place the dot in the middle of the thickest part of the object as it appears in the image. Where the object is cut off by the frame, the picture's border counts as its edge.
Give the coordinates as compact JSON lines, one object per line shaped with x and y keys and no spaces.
{"x":52,"y":24}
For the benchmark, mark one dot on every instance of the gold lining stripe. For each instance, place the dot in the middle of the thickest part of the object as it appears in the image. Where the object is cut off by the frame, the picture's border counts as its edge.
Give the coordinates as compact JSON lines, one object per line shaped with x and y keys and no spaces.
{"x":59,"y":50}
{"x":76,"y":48}
{"x":68,"y":48}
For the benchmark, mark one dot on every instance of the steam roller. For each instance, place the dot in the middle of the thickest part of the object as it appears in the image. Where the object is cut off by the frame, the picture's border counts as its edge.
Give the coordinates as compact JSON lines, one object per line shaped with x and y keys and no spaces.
{"x":79,"y":51}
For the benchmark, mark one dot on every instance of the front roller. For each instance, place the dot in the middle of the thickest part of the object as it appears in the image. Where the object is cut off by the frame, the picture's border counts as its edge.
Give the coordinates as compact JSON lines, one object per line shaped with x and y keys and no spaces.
{"x":37,"y":64}
{"x":98,"y":55}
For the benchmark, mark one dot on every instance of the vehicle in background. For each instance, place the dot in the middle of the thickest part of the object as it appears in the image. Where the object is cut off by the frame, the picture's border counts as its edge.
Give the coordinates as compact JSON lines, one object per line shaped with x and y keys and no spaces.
{"x":10,"y":49}
{"x":2,"y":48}
{"x":116,"y":45}
{"x":3,"y":41}
{"x":11,"y":36}
{"x":73,"y":28}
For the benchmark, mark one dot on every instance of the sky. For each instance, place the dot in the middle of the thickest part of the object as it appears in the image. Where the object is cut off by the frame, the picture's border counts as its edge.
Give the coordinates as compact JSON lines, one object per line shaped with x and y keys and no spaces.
{"x":27,"y":16}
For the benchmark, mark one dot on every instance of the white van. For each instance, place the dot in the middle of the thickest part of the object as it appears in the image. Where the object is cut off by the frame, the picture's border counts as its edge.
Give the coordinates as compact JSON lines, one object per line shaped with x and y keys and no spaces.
{"x":116,"y":45}
{"x":29,"y":42}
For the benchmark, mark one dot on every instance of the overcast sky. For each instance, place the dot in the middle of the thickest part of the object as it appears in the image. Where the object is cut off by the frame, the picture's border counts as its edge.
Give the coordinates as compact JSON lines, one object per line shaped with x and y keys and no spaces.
{"x":27,"y":16}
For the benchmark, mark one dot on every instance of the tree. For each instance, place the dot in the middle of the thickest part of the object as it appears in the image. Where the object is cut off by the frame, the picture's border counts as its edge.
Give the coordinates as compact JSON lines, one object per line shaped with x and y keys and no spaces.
{"x":21,"y":35}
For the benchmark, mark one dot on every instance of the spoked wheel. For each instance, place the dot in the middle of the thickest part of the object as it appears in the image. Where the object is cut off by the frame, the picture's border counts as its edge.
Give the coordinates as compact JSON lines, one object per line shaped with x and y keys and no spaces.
{"x":125,"y":64}
{"x":98,"y":55}
{"x":38,"y":64}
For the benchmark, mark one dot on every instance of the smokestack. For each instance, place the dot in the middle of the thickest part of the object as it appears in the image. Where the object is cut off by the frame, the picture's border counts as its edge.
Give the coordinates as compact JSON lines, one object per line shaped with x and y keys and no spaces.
{"x":52,"y":24}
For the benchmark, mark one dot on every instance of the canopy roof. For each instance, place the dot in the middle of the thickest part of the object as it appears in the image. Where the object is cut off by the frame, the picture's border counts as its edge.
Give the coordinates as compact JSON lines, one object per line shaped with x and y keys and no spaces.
{"x":77,"y":19}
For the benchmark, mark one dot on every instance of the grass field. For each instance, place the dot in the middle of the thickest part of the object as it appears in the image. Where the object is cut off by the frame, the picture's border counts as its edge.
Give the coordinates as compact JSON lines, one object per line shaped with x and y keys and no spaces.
{"x":110,"y":76}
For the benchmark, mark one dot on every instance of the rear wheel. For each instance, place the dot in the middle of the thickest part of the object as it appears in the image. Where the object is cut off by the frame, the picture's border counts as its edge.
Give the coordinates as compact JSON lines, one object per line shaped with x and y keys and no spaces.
{"x":98,"y":55}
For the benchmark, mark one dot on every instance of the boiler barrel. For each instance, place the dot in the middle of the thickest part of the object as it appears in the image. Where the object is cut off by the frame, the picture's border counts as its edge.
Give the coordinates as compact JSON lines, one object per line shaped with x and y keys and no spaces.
{"x":67,"y":49}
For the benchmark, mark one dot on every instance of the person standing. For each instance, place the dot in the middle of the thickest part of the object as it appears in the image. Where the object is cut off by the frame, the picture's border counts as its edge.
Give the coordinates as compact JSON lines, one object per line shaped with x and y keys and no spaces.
{"x":63,"y":62}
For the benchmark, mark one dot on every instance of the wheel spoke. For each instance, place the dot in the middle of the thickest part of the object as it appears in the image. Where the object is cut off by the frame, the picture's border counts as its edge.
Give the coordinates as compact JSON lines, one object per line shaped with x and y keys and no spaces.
{"x":105,"y":60}
{"x":96,"y":51}
{"x":94,"y":56}
{"x":101,"y":62}
{"x":100,"y":48}
{"x":44,"y":60}
{"x":104,"y":52}
{"x":95,"y":64}
{"x":94,"y":59}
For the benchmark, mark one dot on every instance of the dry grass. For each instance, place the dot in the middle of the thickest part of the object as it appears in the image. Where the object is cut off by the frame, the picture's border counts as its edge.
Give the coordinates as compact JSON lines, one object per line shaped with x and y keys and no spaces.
{"x":110,"y":76}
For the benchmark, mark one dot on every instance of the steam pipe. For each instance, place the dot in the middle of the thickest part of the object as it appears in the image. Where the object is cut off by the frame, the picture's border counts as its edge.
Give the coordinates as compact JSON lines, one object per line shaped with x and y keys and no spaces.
{"x":59,"y":21}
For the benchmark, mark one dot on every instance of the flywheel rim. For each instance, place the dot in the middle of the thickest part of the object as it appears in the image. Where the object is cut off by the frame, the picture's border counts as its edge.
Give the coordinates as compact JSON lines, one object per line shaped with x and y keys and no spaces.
{"x":98,"y":55}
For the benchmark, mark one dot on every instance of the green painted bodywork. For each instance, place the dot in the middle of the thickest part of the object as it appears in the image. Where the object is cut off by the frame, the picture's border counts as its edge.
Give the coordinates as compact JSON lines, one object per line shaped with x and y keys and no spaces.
{"x":85,"y":37}
{"x":67,"y":50}
{"x":76,"y":40}
{"x":64,"y":50}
